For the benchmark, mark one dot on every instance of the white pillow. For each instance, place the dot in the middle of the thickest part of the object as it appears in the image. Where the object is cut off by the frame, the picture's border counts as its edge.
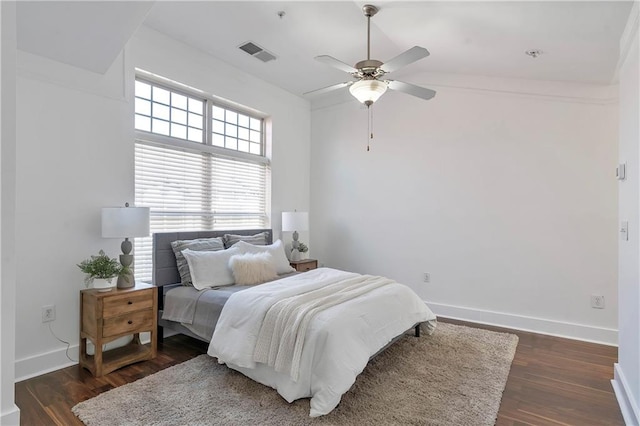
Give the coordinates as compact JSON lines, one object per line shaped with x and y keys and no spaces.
{"x":210,"y":268}
{"x":252,"y":268}
{"x":276,"y":250}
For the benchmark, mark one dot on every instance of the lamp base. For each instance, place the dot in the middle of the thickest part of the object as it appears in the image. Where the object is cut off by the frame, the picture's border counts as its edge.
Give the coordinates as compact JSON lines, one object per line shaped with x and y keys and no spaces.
{"x":126,"y":281}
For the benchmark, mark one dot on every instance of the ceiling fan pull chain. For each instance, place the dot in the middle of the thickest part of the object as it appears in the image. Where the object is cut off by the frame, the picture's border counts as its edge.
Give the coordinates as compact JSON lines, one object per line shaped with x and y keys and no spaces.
{"x":370,"y":127}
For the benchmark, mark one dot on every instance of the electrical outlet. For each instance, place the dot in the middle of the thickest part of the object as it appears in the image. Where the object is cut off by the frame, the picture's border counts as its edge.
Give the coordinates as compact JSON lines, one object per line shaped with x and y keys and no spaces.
{"x":48,"y":313}
{"x":426,"y":277}
{"x":597,"y":301}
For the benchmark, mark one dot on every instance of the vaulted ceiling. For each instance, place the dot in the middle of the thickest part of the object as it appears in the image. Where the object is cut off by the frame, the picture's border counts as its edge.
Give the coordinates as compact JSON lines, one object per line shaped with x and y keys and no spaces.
{"x":579,"y":40}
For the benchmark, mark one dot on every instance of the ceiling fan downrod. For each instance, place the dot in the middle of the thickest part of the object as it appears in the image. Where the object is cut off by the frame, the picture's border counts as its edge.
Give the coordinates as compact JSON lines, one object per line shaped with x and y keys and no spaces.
{"x":369,"y":69}
{"x":369,"y":11}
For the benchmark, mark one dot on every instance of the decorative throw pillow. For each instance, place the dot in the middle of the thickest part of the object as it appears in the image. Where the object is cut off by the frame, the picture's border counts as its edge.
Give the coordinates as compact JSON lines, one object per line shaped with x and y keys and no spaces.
{"x":252,"y":268}
{"x":200,"y":244}
{"x":259,"y":239}
{"x":280,"y":261}
{"x":210,"y":268}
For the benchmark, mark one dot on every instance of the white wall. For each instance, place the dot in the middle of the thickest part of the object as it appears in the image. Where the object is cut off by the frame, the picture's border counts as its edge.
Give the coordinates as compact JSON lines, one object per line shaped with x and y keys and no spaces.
{"x":75,"y":155}
{"x":9,"y":412}
{"x":289,"y":114}
{"x":503,"y":190}
{"x":627,"y":371}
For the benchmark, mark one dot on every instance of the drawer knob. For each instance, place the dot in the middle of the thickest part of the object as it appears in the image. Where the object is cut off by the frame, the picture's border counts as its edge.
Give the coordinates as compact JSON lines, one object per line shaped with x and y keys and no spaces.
{"x":129,"y":322}
{"x":129,"y":302}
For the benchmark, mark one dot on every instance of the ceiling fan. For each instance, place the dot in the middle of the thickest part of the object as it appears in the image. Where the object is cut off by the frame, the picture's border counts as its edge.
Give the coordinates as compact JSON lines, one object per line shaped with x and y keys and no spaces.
{"x":369,"y":74}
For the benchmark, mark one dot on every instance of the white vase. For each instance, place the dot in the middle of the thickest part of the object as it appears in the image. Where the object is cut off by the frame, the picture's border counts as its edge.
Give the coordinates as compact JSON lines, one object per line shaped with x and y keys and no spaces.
{"x":295,"y":255}
{"x":102,"y":284}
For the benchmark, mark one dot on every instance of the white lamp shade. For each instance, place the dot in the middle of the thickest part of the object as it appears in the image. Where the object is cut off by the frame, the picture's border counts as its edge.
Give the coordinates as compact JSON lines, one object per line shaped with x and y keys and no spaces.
{"x":295,"y":221}
{"x":125,"y":222}
{"x":368,"y":90}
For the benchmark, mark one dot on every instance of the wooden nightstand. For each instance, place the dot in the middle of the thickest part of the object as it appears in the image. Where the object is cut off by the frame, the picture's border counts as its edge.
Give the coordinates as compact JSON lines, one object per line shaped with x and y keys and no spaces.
{"x":304,"y":265}
{"x":109,"y":315}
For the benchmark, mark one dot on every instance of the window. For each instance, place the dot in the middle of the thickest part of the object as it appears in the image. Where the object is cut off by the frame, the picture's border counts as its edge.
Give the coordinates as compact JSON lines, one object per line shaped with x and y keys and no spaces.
{"x":165,"y":112}
{"x":191,"y":178}
{"x":239,"y":132}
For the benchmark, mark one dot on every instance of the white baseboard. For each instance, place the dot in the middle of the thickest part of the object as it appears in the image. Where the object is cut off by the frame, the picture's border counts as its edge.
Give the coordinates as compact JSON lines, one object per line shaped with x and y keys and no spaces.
{"x":47,"y":362}
{"x":605,"y":336}
{"x":627,"y":404}
{"x":11,"y":417}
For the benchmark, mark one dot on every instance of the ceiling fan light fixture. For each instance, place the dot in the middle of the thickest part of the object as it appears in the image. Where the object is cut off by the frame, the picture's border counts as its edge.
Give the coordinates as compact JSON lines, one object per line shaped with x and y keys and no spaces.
{"x":370,"y":82}
{"x":368,"y":91}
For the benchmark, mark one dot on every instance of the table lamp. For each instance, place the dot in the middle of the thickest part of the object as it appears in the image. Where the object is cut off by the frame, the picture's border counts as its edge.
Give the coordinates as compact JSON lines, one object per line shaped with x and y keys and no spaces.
{"x":125,"y":222}
{"x":295,"y":221}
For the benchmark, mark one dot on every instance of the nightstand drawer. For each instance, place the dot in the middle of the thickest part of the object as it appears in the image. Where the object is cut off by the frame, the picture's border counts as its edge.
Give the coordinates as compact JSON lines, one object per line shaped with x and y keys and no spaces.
{"x":304,"y":265}
{"x":128,"y":323}
{"x":128,"y":302}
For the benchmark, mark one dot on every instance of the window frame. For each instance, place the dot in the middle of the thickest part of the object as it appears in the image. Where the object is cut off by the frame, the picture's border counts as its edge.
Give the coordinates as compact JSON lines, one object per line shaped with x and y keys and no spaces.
{"x":206,"y":145}
{"x":206,"y":148}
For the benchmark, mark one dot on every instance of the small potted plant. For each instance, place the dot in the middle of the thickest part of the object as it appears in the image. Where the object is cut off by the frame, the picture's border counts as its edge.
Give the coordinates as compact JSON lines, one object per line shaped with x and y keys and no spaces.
{"x":303,"y":249}
{"x":100,"y":270}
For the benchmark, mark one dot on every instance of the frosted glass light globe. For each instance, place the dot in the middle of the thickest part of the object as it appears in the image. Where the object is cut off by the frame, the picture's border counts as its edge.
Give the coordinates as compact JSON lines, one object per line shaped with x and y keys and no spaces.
{"x":368,"y":91}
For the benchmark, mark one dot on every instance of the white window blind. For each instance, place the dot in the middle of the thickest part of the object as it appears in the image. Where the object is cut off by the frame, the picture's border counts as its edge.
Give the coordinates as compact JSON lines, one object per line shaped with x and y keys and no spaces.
{"x":192,"y":188}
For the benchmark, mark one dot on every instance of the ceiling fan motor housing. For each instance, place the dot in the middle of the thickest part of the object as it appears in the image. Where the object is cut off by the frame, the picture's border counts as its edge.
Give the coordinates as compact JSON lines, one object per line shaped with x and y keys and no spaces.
{"x":369,"y":68}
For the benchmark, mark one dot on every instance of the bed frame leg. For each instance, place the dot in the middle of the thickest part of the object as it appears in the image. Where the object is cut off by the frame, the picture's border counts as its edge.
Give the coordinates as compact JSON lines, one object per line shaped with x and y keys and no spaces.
{"x":159,"y":328}
{"x":417,"y":329}
{"x":160,"y":334}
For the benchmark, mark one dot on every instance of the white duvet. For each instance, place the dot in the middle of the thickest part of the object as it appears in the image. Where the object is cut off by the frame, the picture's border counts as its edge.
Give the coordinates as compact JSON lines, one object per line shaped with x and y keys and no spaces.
{"x":338,"y":342}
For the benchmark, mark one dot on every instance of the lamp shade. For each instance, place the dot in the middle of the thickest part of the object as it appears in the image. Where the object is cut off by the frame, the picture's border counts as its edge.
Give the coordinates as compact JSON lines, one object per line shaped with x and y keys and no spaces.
{"x":295,"y":221}
{"x":368,"y":90}
{"x":125,"y":222}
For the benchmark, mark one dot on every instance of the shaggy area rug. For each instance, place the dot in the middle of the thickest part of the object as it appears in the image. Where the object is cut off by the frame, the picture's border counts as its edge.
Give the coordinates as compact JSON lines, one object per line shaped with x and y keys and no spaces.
{"x":454,"y":377}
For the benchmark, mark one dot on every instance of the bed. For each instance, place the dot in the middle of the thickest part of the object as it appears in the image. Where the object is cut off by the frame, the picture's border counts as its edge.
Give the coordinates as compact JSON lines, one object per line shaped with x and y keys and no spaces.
{"x":304,"y":334}
{"x":167,"y":278}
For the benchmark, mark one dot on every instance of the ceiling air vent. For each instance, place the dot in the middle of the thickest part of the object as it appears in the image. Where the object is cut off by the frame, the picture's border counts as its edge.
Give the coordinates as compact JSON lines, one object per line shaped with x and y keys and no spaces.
{"x":264,"y":56}
{"x":257,"y":52}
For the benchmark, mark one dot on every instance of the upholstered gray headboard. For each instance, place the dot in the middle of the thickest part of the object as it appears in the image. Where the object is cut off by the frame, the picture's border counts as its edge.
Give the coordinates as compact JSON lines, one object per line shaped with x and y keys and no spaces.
{"x":165,"y":270}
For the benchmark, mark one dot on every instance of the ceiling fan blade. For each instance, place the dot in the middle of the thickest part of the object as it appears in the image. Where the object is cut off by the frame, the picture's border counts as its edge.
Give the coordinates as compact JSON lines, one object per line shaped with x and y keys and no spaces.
{"x":411,"y":89}
{"x":405,"y":58}
{"x":331,"y":61}
{"x":329,"y":88}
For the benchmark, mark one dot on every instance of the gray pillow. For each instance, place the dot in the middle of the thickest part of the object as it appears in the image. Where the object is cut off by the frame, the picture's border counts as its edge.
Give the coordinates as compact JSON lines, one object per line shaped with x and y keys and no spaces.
{"x":257,"y":239}
{"x":200,"y":244}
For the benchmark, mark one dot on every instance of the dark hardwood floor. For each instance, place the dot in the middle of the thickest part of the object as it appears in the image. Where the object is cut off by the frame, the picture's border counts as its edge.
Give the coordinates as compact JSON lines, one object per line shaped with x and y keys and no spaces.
{"x":553,"y":381}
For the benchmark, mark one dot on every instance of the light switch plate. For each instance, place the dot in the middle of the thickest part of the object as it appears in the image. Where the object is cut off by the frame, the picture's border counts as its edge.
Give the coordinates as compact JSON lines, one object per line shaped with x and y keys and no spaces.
{"x":624,"y":231}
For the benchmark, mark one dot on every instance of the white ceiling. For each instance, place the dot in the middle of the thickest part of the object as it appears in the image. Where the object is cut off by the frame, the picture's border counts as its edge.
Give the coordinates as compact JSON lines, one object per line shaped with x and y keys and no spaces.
{"x":85,"y":34}
{"x":579,"y":39}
